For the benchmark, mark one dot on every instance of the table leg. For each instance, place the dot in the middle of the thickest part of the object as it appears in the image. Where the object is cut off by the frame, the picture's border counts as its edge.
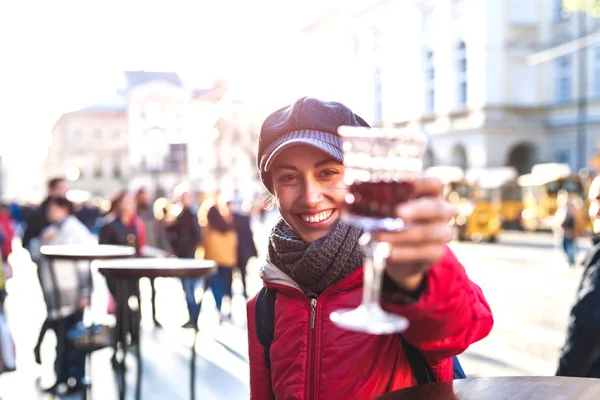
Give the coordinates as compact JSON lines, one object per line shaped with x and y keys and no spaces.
{"x":139,"y":346}
{"x":193,"y":360}
{"x":122,"y":326}
{"x":88,"y":360}
{"x":193,"y":366}
{"x":61,"y":331}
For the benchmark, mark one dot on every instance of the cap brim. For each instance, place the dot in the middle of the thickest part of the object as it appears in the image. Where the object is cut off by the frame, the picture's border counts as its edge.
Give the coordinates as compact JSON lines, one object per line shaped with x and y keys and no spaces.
{"x":325,"y":147}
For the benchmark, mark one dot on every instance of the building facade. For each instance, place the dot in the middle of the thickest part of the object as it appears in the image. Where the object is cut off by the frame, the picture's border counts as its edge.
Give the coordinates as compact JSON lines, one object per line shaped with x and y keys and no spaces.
{"x":455,"y":68}
{"x":90,"y":148}
{"x":156,"y":133}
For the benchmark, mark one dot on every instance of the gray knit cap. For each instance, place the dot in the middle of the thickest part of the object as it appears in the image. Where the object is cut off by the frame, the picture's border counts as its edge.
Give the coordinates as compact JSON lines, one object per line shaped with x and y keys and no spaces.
{"x":306,"y":122}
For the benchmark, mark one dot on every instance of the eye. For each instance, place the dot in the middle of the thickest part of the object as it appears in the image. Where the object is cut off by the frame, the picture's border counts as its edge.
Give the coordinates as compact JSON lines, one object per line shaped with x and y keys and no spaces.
{"x":287,"y":177}
{"x":329,"y":172}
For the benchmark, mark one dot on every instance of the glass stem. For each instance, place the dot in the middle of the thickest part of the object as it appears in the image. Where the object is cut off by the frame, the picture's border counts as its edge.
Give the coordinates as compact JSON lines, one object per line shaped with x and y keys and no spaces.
{"x":376,"y":253}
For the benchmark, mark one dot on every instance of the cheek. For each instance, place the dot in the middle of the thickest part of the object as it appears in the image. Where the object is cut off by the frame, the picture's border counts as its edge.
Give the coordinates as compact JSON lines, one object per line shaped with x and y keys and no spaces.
{"x":337,"y":193}
{"x":284,"y":201}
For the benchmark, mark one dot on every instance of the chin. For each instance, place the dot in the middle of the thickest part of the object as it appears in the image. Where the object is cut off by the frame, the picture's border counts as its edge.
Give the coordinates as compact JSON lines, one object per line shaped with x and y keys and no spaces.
{"x":313,"y":236}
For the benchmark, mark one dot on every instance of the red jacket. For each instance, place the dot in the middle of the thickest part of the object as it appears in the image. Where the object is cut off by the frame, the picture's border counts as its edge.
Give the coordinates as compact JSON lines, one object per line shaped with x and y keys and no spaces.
{"x":330,"y":363}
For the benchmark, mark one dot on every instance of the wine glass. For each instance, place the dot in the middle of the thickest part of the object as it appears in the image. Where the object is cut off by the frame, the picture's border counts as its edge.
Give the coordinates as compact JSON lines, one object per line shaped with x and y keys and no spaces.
{"x":381,"y":165}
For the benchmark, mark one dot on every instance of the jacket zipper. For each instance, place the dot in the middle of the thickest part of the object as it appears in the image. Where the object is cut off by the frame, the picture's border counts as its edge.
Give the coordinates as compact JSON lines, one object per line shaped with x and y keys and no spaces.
{"x":313,"y":350}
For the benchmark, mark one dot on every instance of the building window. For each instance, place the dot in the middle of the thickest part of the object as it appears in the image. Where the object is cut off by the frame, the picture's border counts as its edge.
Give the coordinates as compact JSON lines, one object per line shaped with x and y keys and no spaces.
{"x":560,"y":12}
{"x":177,"y":158}
{"x":563,"y":157}
{"x":77,"y":134}
{"x":461,"y":58}
{"x":596,"y":71}
{"x":563,"y":79}
{"x":355,"y":45}
{"x":117,"y":172}
{"x":378,"y":96}
{"x":98,"y":173}
{"x":116,"y":134}
{"x":97,"y":134}
{"x":429,"y":82}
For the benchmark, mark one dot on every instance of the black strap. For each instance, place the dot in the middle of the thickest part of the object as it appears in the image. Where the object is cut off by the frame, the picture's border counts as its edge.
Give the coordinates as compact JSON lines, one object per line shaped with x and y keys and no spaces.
{"x":418,"y":364}
{"x":264,"y":316}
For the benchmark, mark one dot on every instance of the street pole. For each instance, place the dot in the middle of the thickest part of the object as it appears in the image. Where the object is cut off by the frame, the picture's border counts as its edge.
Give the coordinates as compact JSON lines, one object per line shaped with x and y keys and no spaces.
{"x":582,"y":103}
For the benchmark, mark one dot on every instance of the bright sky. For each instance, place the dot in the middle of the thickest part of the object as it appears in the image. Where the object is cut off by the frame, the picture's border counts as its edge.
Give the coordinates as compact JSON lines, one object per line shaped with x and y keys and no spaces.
{"x":61,"y":55}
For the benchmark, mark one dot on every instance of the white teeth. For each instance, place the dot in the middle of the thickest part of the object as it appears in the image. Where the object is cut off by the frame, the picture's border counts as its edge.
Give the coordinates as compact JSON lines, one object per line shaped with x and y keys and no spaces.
{"x":312,"y":218}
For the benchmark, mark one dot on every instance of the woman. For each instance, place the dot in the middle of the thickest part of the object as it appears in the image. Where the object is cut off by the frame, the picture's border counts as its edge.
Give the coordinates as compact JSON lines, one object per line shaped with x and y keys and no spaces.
{"x":566,"y":220}
{"x":74,"y":283}
{"x":220,"y":245}
{"x":314,"y":255}
{"x":125,"y":229}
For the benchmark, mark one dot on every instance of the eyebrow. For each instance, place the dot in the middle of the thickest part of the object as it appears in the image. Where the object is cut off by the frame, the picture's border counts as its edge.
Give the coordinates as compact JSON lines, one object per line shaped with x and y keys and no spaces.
{"x":317,"y":165}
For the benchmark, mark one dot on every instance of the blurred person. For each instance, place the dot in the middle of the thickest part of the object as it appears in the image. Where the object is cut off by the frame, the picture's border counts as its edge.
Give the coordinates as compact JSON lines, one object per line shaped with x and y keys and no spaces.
{"x":567,"y":224}
{"x":88,"y":215}
{"x":16,"y":211}
{"x":125,"y":229}
{"x":36,"y":222}
{"x":315,"y":267}
{"x":246,"y":248}
{"x":220,"y":245}
{"x":38,"y":219}
{"x":7,"y":234}
{"x":73,"y":281}
{"x":580,"y":355}
{"x":185,"y":238}
{"x":156,"y":235}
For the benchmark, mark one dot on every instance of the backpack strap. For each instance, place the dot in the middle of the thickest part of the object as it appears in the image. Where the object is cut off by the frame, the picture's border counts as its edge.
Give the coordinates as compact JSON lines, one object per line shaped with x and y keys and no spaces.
{"x":264,"y":316}
{"x":418,"y":364}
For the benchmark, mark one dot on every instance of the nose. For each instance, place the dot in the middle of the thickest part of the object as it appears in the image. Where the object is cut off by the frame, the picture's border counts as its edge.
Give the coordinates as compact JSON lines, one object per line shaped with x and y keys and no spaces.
{"x":312,"y":194}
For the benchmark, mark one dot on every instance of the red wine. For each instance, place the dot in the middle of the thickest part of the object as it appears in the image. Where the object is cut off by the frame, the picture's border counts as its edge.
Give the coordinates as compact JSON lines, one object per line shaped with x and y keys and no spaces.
{"x":378,"y":199}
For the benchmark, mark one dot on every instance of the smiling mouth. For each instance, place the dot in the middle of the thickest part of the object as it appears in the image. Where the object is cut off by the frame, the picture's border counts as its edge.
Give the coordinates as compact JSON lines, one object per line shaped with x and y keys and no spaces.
{"x":315,"y":218}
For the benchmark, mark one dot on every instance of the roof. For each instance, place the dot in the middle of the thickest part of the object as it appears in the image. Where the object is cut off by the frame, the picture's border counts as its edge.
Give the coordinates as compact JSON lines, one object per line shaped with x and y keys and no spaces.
{"x":112,"y":104}
{"x":214,"y":93}
{"x":115,"y":104}
{"x":137,"y":78}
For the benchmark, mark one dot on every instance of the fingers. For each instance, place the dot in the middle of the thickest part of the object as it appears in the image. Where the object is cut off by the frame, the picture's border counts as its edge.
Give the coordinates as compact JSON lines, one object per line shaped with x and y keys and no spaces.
{"x":428,"y":186}
{"x":412,"y":260}
{"x":425,"y":209}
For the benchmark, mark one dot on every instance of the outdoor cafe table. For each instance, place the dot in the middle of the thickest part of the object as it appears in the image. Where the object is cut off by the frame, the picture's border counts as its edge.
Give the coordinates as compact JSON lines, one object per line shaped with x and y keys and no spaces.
{"x":135,"y":268}
{"x":513,"y":388}
{"x":77,"y":252}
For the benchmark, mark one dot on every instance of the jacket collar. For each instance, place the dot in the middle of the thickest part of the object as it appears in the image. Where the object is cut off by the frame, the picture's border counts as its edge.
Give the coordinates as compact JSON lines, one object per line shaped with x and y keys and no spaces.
{"x":274,"y":277}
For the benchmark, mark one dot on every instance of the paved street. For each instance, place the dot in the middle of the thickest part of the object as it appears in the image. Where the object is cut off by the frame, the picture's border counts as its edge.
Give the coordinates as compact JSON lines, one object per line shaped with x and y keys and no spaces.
{"x":524,"y":277}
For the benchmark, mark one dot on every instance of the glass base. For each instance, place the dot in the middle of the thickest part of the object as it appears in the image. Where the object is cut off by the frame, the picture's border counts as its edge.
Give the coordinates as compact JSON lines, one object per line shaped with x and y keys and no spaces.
{"x":369,"y":318}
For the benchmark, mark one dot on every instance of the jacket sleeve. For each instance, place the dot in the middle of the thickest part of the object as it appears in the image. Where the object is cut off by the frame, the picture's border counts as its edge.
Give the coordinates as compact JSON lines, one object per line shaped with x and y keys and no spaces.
{"x":105,"y":234}
{"x":450,"y":314}
{"x":260,"y":376}
{"x":196,"y":236}
{"x":582,"y":346}
{"x":163,"y":237}
{"x":35,"y":225}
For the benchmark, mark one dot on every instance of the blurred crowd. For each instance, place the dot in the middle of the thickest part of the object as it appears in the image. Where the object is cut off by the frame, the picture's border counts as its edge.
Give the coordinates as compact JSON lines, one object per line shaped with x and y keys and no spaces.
{"x":217,"y":228}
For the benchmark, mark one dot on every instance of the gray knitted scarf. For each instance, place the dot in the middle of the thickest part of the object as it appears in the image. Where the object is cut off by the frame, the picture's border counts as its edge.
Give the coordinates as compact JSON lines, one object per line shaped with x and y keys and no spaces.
{"x":318,"y":265}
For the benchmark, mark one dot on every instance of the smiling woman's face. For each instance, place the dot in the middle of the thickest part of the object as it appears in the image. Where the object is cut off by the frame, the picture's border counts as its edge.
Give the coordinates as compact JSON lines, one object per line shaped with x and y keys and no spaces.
{"x":309,"y":190}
